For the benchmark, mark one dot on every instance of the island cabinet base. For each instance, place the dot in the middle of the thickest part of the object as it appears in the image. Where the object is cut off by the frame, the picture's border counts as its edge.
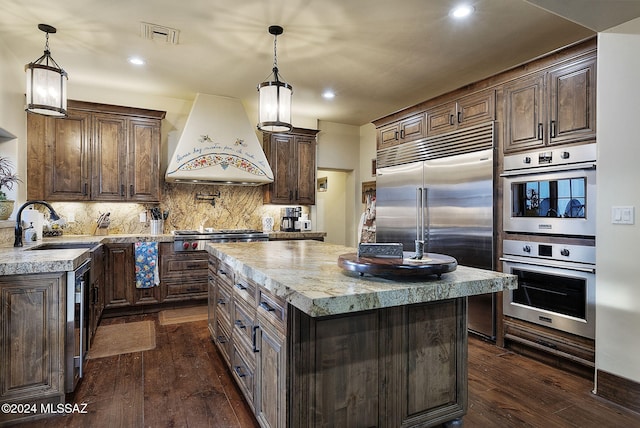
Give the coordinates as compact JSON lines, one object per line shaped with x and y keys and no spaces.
{"x":402,"y":366}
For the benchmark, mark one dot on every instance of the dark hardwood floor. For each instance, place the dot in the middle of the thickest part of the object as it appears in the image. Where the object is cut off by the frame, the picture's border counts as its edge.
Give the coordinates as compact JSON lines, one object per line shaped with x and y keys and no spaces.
{"x":183,"y":383}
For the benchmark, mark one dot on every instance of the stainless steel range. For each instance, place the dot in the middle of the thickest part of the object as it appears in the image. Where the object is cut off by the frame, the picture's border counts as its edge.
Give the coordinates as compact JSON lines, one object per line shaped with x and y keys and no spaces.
{"x":193,"y":240}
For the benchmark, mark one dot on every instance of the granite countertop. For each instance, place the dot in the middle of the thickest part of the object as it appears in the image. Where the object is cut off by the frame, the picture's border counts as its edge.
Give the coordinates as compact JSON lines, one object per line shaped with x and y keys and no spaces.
{"x":25,"y":260}
{"x":306,"y":274}
{"x":296,"y":235}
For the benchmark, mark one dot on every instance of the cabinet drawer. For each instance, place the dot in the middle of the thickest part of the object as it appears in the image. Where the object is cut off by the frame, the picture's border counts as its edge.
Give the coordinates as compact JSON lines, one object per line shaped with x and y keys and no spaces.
{"x":224,"y":273}
{"x":223,"y":301}
{"x":246,"y":289}
{"x":243,"y":371}
{"x":182,"y":290}
{"x":222,"y":339}
{"x":243,"y":323}
{"x":272,"y":309}
{"x":178,"y":265}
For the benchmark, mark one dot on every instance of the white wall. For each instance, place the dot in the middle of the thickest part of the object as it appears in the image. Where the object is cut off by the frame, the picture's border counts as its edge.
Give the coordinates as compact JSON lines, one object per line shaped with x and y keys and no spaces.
{"x":13,"y":118}
{"x":618,"y":178}
{"x":331,"y":207}
{"x":339,"y":149}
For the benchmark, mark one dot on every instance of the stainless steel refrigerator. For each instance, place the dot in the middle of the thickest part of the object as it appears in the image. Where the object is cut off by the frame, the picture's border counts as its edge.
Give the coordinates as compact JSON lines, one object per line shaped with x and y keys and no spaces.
{"x":447,"y":202}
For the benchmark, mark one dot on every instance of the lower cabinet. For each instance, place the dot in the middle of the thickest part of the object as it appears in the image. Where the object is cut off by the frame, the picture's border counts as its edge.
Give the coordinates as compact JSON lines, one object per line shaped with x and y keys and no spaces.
{"x":183,"y":277}
{"x":96,"y":290}
{"x":402,"y":366}
{"x":119,"y":275}
{"x":32,"y":339}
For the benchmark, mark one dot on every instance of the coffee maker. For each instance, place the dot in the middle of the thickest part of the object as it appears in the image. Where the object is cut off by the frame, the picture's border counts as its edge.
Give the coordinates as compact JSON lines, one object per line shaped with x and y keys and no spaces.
{"x":289,"y":218}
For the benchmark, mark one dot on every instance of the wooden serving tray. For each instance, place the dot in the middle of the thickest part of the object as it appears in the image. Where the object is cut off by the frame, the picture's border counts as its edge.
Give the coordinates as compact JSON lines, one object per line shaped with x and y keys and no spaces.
{"x":431,"y":264}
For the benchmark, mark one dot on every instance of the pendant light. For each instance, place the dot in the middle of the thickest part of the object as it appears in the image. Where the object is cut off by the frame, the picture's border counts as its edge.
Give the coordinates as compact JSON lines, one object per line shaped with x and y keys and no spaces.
{"x":46,"y":82}
{"x":275,"y":96}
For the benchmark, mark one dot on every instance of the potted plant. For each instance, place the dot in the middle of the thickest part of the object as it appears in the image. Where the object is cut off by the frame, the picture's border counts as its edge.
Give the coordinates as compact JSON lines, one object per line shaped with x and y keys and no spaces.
{"x":7,"y":179}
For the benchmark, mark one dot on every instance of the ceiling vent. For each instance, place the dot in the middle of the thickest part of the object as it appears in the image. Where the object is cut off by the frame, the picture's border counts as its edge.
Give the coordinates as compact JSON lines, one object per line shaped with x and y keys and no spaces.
{"x":159,"y":32}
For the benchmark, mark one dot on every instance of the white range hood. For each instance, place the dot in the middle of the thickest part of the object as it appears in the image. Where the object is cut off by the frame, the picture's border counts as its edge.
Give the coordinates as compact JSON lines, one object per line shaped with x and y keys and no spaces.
{"x":219,"y":146}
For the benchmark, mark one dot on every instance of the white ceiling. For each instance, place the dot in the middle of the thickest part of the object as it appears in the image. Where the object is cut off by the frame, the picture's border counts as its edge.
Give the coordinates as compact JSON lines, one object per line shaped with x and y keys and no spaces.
{"x":377,"y":55}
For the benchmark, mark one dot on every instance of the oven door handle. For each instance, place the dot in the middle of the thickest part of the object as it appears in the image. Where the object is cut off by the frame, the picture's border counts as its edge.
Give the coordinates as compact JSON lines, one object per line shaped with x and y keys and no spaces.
{"x":527,"y":262}
{"x":553,"y":168}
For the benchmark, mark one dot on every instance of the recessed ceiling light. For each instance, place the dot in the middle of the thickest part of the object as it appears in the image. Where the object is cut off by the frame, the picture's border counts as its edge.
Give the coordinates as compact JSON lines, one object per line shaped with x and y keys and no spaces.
{"x":328,"y":94}
{"x":462,"y":11}
{"x":136,"y":60}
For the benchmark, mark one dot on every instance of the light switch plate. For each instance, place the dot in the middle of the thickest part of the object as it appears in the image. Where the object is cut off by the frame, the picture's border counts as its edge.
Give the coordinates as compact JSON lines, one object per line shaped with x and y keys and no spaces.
{"x":623,"y":215}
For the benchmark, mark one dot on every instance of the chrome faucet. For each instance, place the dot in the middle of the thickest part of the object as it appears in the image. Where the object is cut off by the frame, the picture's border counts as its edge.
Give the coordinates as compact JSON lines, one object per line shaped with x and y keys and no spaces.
{"x":52,"y":213}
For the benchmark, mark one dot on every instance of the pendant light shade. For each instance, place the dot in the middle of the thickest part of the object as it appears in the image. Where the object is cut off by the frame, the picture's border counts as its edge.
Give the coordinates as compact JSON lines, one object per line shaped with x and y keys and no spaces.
{"x":46,"y":83}
{"x":275,"y":96}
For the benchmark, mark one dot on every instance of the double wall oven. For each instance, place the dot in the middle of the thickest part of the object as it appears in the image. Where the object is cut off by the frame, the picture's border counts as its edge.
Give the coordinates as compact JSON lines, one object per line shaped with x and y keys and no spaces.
{"x":549,"y":225}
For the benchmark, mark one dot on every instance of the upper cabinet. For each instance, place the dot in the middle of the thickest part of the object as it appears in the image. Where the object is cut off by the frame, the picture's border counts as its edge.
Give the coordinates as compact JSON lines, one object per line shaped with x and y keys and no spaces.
{"x":455,"y":114}
{"x":555,"y":106}
{"x":467,"y":111}
{"x":409,"y":129}
{"x":292,"y":157}
{"x":98,"y":153}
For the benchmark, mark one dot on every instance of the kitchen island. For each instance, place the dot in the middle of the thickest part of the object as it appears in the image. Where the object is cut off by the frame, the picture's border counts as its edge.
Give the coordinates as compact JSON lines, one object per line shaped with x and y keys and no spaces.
{"x":310,"y":344}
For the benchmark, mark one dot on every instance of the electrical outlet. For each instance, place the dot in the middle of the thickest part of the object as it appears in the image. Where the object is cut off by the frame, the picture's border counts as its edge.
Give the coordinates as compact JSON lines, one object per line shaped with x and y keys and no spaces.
{"x":623,"y":215}
{"x":71,"y":217}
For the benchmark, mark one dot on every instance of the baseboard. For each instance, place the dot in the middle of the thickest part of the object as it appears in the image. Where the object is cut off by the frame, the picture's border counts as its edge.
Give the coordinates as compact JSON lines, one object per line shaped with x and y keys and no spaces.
{"x":618,"y":390}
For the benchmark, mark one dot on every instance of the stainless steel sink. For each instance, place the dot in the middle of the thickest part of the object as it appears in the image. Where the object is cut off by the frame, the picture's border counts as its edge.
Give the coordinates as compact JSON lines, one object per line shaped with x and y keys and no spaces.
{"x":64,"y":245}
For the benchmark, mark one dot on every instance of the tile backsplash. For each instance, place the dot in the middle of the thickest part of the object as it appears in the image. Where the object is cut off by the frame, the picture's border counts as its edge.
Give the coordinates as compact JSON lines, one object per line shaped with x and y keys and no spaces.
{"x":236,"y":207}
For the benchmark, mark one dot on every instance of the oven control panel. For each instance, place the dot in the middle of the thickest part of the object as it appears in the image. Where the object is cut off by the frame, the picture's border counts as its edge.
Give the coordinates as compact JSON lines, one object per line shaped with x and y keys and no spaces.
{"x":551,"y":251}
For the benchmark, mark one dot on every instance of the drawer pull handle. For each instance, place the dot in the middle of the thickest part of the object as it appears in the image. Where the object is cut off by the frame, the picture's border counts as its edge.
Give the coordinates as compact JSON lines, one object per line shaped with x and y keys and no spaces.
{"x":222,"y":302}
{"x":221,"y":272}
{"x":239,"y":324}
{"x":254,"y":332}
{"x":222,"y":339}
{"x":240,"y":287}
{"x":239,"y":371}
{"x":266,"y":307}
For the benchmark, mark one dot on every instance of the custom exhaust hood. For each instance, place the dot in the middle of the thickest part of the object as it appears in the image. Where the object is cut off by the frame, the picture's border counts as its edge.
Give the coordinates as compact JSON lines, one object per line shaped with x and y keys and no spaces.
{"x":218,"y":146}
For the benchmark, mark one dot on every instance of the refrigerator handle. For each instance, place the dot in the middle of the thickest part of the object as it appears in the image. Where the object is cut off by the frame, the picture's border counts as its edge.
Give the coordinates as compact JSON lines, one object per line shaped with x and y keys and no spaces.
{"x":419,"y":212}
{"x":425,"y":217}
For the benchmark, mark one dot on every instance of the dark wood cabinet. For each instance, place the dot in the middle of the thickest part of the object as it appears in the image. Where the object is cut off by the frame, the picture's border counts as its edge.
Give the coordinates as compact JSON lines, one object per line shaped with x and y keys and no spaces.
{"x":183,"y":275}
{"x":58,"y":161}
{"x":555,"y":106}
{"x":119,"y":276}
{"x":399,"y":366}
{"x":98,"y":153}
{"x":408,"y":129}
{"x":292,"y":157}
{"x":32,"y":338}
{"x":467,"y":111}
{"x":96,"y":290}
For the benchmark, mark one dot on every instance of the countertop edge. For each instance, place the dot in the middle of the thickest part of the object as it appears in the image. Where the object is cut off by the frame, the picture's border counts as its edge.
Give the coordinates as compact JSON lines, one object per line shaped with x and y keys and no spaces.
{"x":464,"y":281}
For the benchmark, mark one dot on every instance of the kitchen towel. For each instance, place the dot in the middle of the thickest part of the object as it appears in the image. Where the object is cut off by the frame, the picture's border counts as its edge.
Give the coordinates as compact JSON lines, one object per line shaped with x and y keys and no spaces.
{"x":146,"y":261}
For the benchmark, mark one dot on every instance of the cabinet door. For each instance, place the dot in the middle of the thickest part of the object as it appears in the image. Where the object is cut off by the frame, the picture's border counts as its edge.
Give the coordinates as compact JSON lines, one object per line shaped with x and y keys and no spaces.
{"x":441,"y":119}
{"x":405,"y":130}
{"x":58,"y":162}
{"x":32,"y":316}
{"x":281,"y":158}
{"x":572,"y":95}
{"x":433,"y":374}
{"x":476,"y":108}
{"x":119,"y":274}
{"x":143,"y":163}
{"x":388,"y":135}
{"x":109,"y":158}
{"x":305,"y":175}
{"x":271,"y":395}
{"x":524,"y":114}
